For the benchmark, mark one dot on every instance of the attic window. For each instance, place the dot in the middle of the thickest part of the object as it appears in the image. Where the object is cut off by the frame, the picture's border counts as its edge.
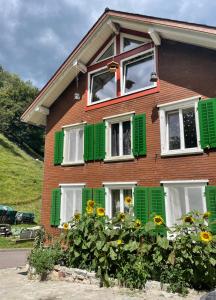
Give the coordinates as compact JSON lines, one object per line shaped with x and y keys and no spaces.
{"x":129,"y":42}
{"x":107,"y":53}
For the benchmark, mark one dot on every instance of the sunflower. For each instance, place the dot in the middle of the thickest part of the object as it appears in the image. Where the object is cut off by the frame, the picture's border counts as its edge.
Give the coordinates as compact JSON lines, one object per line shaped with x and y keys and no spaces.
{"x":205,"y":236}
{"x":137,"y":223}
{"x":100,"y":211}
{"x":188,"y":219}
{"x":121,"y":216}
{"x":119,"y":242}
{"x":128,"y":200}
{"x":77,"y":216}
{"x":206,"y":215}
{"x":90,"y":203}
{"x":158,"y":220}
{"x":89,"y":210}
{"x":66,"y":226}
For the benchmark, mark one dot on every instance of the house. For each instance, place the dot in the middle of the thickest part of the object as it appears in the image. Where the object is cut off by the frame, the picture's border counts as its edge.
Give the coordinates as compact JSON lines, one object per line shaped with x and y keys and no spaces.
{"x":131,"y":112}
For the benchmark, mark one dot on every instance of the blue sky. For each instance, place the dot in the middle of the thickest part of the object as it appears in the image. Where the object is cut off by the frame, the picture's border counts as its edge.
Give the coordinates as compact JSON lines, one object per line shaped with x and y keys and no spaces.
{"x":37,"y":35}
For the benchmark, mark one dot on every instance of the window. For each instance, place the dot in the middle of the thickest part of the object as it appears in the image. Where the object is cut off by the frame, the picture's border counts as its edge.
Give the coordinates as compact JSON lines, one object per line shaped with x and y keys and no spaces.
{"x":115,"y":197}
{"x":129,"y":42}
{"x":179,"y":127}
{"x":107,"y":53}
{"x":137,"y":73}
{"x":119,"y":137}
{"x":71,"y":202}
{"x":183,"y":197}
{"x":73,"y":144}
{"x":103,"y":86}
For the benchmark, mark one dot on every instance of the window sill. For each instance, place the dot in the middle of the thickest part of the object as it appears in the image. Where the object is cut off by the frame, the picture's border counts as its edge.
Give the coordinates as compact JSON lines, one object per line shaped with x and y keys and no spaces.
{"x":182,"y":152}
{"x":119,"y":158}
{"x":72,"y":163}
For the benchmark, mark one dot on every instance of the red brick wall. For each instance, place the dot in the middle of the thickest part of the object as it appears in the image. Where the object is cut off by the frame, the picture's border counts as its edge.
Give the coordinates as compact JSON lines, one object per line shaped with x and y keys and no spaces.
{"x":184,"y":71}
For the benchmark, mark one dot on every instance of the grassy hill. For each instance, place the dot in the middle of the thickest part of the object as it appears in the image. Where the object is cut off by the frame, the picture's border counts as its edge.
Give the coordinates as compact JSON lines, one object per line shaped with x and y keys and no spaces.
{"x":20,"y":178}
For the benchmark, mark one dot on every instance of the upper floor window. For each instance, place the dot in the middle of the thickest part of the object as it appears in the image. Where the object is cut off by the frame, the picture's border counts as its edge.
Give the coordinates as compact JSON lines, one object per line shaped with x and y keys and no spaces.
{"x":179,"y":127}
{"x":73,"y":144}
{"x":129,"y":42}
{"x":136,"y":72}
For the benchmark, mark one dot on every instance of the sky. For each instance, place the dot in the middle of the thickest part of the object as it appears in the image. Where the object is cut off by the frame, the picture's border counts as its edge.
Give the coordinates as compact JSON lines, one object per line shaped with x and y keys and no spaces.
{"x":37,"y":35}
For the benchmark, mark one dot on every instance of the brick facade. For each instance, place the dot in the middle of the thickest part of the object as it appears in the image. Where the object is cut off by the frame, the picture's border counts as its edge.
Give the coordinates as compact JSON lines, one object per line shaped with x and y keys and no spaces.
{"x":184,"y":71}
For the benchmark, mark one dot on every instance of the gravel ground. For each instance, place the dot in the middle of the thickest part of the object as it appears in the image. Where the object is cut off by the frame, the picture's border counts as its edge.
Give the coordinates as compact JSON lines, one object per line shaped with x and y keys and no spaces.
{"x":15,"y":285}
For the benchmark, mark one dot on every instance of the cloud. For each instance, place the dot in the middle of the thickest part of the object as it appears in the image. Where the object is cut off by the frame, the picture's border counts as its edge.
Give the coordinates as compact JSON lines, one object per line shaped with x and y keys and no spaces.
{"x":37,"y":36}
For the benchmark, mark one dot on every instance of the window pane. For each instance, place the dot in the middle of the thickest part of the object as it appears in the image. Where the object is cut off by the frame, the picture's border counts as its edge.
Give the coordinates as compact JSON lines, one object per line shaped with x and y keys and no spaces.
{"x":71,"y":145}
{"x":126,"y":137}
{"x":137,"y":73}
{"x":195,"y":199}
{"x":174,"y":131}
{"x":69,"y":198}
{"x":129,"y":44}
{"x":115,"y":139}
{"x":78,"y":201}
{"x":108,"y":53}
{"x":103,"y":86}
{"x":127,"y":193}
{"x":189,"y":128}
{"x":177,"y":205}
{"x":115,"y":196}
{"x":80,"y":132}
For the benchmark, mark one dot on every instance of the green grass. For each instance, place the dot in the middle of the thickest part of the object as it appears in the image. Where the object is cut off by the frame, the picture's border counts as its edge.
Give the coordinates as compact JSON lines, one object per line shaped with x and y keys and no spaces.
{"x":9,"y":242}
{"x":20,"y":179}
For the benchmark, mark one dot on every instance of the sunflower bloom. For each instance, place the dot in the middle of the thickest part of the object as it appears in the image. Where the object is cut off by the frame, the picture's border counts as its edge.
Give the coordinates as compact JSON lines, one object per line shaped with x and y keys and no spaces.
{"x":137,"y":223}
{"x":90,"y":203}
{"x":66,"y":226}
{"x":188,"y":219}
{"x":77,"y":217}
{"x":119,"y":242}
{"x":121,"y":216}
{"x":206,"y":215}
{"x":205,"y":236}
{"x":89,"y":210}
{"x":100,"y":211}
{"x":128,"y":200}
{"x":158,"y":220}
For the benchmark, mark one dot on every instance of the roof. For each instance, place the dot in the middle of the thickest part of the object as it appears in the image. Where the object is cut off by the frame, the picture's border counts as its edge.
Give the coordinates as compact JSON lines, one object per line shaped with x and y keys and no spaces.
{"x":190,"y":33}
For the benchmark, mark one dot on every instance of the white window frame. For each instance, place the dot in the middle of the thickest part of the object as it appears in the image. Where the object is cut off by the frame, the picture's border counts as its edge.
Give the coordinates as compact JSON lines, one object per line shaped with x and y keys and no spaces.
{"x":63,"y":187}
{"x":104,"y":50}
{"x":108,"y":123}
{"x":65,"y":147}
{"x":122,"y":77}
{"x":90,"y":81}
{"x":109,"y":186}
{"x":186,"y":184}
{"x":164,"y":136}
{"x":133,"y":37}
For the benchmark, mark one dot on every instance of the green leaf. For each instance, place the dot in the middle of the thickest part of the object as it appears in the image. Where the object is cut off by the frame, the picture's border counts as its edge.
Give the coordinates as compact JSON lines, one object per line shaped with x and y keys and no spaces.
{"x":77,"y":241}
{"x":171,"y":258}
{"x":76,"y":254}
{"x":99,"y":245}
{"x":113,"y":255}
{"x":163,"y":242}
{"x":212,"y":261}
{"x":149,"y":226}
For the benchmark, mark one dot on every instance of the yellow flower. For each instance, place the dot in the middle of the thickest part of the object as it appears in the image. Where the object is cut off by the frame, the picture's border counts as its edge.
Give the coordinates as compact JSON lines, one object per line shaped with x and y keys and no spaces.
{"x":188,"y":219}
{"x":206,"y":215}
{"x":205,"y":236}
{"x":89,"y":210}
{"x":77,"y":216}
{"x":158,"y":220}
{"x":66,"y":226}
{"x":137,"y":223}
{"x":90,"y":203}
{"x":121,"y":216}
{"x":100,"y":211}
{"x":119,"y":242}
{"x":128,"y":200}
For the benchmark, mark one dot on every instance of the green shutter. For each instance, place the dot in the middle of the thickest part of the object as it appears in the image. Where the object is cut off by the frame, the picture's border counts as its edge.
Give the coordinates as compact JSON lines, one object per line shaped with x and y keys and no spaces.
{"x":99,"y":197}
{"x":86,"y":195}
{"x":55,"y":207}
{"x":207,"y":119}
{"x":211,"y":205}
{"x":99,"y":141}
{"x":89,"y":142}
{"x":157,"y":205}
{"x":139,"y":135}
{"x":58,"y":147}
{"x":141,"y":203}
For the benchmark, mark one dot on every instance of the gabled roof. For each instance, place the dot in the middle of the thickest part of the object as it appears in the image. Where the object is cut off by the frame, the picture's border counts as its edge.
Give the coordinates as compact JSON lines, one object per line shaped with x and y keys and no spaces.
{"x":189,"y":33}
